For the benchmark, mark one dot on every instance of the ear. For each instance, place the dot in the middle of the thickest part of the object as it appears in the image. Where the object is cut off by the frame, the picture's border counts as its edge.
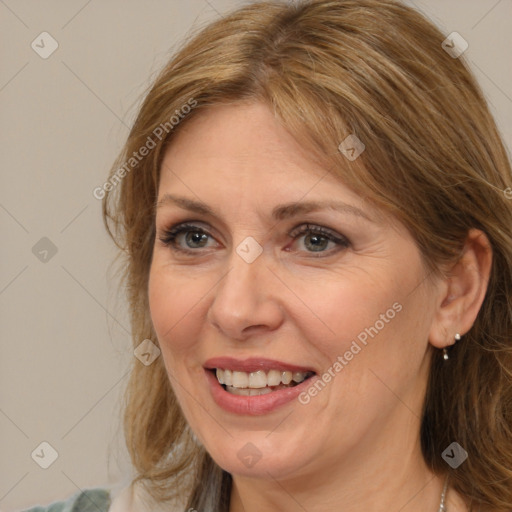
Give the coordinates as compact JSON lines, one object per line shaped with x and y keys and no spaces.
{"x":462,"y":291}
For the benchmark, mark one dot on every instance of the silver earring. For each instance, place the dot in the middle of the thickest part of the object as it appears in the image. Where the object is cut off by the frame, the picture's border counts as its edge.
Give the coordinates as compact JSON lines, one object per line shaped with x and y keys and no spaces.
{"x":445,"y":350}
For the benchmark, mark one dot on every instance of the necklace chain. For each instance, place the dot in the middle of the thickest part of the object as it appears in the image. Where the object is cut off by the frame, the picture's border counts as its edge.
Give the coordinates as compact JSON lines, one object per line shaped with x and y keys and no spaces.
{"x":442,"y":507}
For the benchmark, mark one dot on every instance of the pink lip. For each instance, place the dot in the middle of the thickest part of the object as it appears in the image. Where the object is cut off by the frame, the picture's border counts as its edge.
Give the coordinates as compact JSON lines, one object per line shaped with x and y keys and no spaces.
{"x":252,"y":405}
{"x":253,"y":364}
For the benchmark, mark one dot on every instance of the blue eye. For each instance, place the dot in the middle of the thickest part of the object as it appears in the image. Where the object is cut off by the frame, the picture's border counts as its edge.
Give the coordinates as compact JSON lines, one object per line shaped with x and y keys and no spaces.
{"x":170,"y":236}
{"x":315,"y":237}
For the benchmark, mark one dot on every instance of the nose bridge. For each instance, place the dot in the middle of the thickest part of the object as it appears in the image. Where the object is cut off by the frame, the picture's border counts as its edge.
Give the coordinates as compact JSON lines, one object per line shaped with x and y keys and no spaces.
{"x":243,"y":298}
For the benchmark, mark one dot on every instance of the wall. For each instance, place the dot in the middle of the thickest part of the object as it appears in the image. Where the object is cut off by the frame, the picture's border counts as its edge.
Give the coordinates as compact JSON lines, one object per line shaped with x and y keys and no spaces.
{"x":65,"y":348}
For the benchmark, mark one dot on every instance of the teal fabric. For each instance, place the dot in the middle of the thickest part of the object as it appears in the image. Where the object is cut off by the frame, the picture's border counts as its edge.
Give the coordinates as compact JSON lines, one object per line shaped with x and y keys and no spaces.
{"x":91,"y":500}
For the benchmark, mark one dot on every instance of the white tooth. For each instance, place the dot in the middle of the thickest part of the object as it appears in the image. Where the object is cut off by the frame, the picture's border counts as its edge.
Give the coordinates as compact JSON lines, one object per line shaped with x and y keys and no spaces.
{"x":240,"y":380}
{"x":273,"y":378}
{"x":298,"y":376}
{"x":248,"y":391}
{"x":286,"y":377}
{"x":257,"y":379}
{"x":237,"y":391}
{"x":262,"y":391}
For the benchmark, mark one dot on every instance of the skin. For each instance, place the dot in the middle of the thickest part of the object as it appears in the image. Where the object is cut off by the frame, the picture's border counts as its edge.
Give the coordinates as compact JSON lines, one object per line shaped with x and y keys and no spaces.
{"x":355,"y":446}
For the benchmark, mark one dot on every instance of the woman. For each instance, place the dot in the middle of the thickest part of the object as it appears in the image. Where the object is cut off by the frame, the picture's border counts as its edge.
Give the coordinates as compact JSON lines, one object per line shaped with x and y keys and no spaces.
{"x":314,"y":207}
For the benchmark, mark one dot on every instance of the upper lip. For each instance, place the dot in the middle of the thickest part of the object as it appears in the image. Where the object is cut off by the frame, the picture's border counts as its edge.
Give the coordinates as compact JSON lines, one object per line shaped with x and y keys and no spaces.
{"x":253,"y":364}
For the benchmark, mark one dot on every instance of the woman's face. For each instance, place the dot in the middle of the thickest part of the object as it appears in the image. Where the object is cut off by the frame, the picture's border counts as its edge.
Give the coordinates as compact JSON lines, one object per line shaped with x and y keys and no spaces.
{"x":250,"y":292}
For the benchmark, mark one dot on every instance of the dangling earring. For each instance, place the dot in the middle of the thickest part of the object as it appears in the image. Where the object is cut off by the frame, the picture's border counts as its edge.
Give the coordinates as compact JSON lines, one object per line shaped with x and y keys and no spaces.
{"x":445,"y":350}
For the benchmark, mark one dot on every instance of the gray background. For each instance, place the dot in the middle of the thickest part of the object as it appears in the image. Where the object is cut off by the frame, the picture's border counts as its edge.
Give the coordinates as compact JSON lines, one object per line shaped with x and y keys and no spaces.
{"x":65,"y":347}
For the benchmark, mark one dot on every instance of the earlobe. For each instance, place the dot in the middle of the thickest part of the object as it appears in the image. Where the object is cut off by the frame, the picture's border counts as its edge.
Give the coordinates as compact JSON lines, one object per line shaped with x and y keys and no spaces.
{"x":463,"y":291}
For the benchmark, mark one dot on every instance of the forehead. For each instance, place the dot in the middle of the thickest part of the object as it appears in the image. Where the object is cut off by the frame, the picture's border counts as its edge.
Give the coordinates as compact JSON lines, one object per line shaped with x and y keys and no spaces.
{"x":238,"y":133}
{"x":238,"y":161}
{"x":244,"y":146}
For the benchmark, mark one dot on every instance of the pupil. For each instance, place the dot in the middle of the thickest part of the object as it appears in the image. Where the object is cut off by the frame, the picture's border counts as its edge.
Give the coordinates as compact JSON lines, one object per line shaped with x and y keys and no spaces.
{"x":194,"y":235}
{"x":317,"y":237}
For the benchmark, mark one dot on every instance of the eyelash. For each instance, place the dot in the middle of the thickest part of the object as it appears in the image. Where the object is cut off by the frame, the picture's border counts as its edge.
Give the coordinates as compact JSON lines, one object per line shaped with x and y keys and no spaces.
{"x":168,"y":237}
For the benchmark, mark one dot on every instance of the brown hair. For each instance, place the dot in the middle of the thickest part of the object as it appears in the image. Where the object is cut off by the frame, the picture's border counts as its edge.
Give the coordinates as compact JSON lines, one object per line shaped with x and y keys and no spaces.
{"x":433,"y":159}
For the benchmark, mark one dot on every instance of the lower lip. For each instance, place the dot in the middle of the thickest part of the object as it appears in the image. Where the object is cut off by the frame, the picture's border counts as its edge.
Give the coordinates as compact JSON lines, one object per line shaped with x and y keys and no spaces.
{"x":253,"y":405}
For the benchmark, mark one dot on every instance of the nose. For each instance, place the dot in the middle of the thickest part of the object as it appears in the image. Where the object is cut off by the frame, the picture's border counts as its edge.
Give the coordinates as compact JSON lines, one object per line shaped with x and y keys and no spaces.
{"x":247,"y":299}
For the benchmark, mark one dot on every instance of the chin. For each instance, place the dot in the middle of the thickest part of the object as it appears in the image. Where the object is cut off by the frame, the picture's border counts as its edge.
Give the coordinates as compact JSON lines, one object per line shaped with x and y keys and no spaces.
{"x":256,"y":455}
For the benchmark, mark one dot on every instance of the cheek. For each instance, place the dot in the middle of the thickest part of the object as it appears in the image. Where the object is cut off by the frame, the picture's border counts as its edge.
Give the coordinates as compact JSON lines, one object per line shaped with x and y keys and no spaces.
{"x":384,"y":348}
{"x":172,"y":302}
{"x":376,"y":326}
{"x":356,"y":306}
{"x":174,"y":307}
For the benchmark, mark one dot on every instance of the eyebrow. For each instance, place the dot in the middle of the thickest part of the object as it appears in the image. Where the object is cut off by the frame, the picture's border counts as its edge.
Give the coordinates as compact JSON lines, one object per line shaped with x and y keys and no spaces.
{"x":280,"y":212}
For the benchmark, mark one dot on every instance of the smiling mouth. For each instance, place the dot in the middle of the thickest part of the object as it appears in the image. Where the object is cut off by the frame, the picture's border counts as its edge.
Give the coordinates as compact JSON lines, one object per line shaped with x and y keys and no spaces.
{"x":259,"y":382}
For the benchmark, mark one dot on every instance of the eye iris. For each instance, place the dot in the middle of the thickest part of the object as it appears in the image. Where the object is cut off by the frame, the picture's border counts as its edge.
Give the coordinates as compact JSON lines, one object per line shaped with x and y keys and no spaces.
{"x":317,"y":247}
{"x":196,"y":236}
